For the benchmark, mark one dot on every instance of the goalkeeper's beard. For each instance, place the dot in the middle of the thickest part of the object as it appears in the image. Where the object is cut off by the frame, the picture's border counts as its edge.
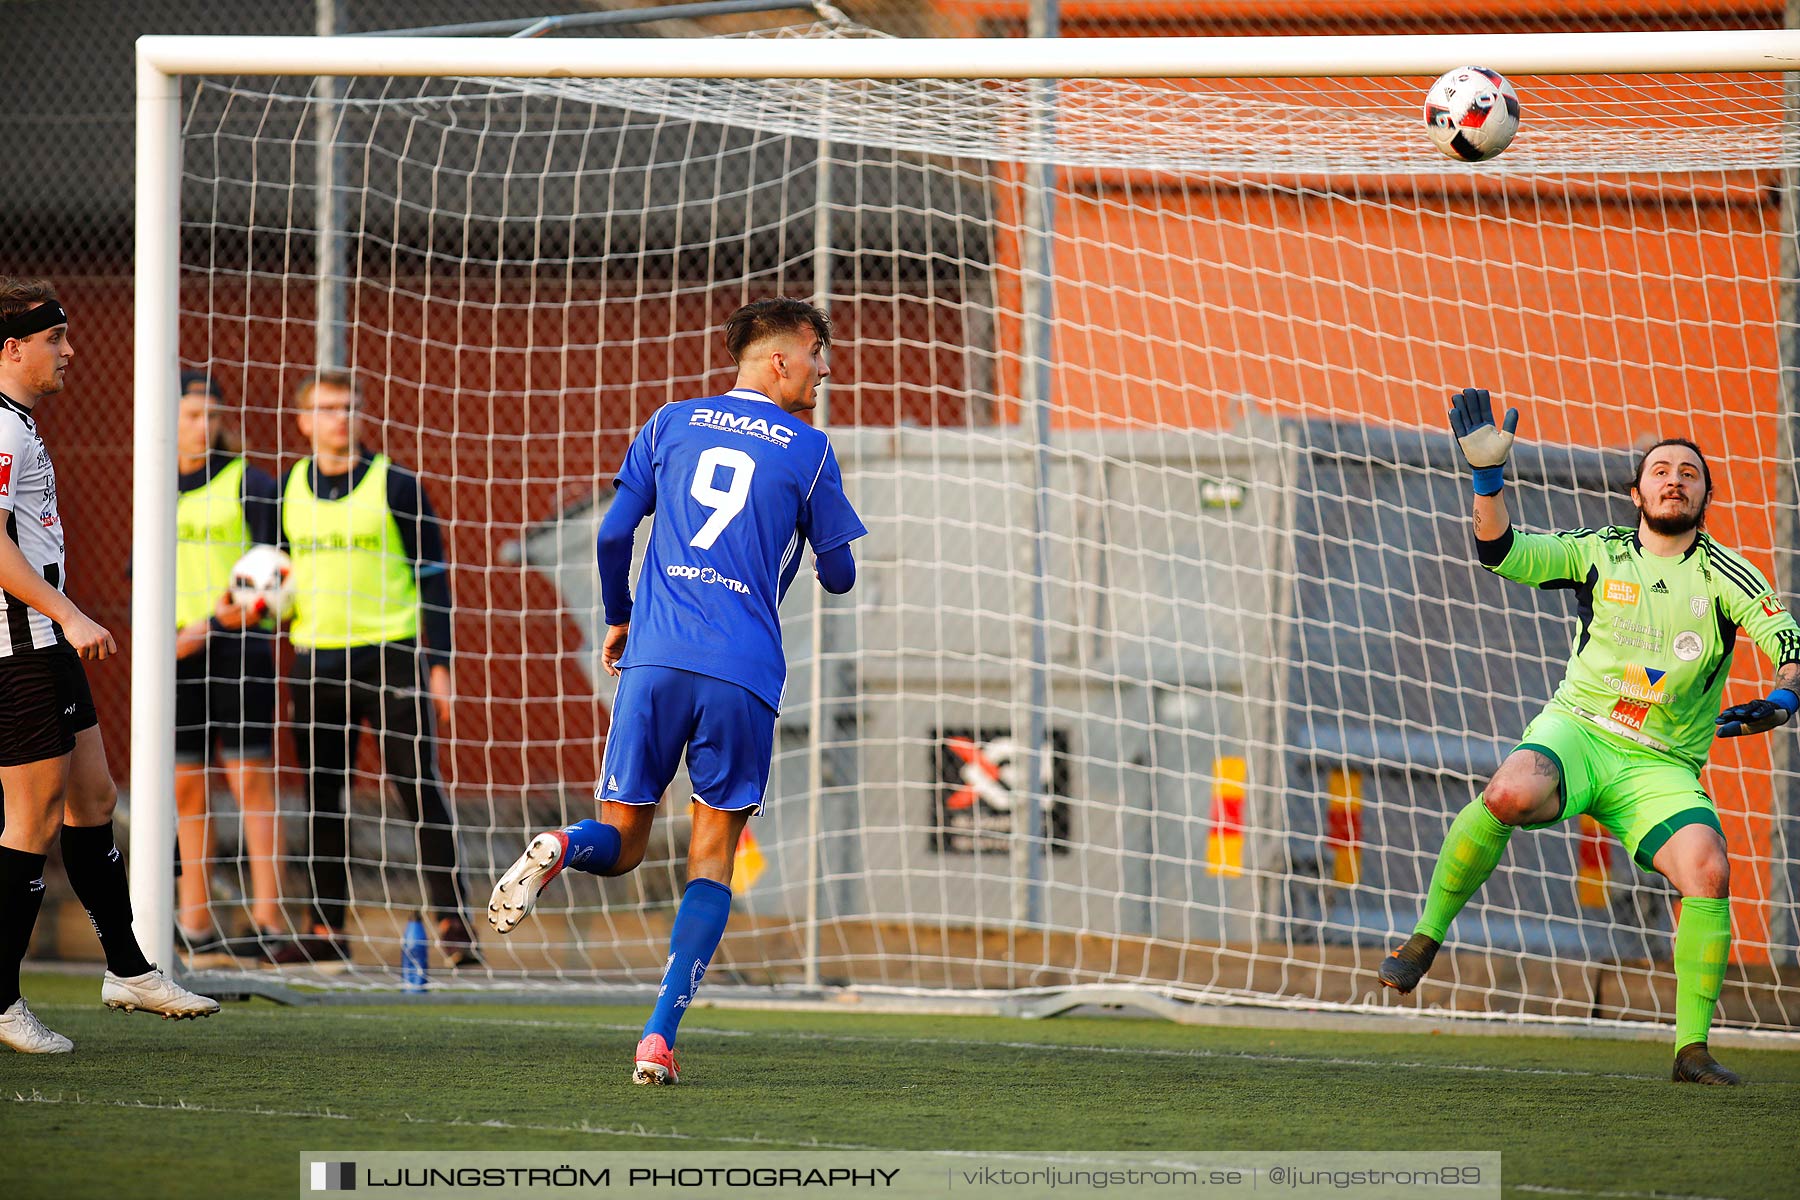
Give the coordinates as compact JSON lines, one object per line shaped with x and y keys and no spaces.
{"x":1677,"y":524}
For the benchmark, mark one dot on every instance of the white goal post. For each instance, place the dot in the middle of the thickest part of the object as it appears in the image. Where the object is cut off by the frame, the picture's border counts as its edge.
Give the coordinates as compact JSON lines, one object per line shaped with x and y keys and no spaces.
{"x":1167,"y":601}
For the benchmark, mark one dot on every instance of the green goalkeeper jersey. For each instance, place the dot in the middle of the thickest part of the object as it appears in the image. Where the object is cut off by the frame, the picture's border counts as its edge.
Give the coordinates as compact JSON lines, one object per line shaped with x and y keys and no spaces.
{"x":1653,"y":645}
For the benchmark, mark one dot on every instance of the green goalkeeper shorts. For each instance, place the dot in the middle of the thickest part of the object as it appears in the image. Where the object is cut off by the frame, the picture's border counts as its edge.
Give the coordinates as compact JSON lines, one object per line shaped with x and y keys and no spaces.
{"x":1643,"y":797}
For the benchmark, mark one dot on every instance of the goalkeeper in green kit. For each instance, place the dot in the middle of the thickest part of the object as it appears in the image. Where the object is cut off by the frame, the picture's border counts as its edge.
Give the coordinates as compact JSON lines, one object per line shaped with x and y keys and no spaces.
{"x":1624,"y":738}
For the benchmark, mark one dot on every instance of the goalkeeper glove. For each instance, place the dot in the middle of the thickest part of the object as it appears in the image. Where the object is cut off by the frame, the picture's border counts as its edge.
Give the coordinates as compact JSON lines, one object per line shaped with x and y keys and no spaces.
{"x":1759,"y":716}
{"x":1484,"y":445}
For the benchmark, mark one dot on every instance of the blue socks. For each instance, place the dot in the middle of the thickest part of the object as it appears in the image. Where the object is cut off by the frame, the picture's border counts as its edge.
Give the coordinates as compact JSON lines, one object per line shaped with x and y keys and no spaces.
{"x":593,"y":847}
{"x":699,"y":924}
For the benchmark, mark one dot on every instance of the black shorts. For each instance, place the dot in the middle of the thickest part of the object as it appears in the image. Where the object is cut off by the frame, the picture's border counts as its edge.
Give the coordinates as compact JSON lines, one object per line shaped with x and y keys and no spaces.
{"x":225,"y":699}
{"x":44,"y":703}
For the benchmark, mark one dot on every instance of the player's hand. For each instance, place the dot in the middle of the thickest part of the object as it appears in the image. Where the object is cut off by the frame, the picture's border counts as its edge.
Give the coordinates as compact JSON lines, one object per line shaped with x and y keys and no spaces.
{"x":232,"y":615}
{"x":1472,"y":421}
{"x":614,"y":650}
{"x":1758,"y":716}
{"x":190,"y":639}
{"x":89,"y":639}
{"x":439,"y":680}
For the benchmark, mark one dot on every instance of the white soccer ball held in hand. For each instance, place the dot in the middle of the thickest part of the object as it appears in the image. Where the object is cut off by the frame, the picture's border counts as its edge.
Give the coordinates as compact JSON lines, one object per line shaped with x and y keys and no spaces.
{"x":1471,"y":113}
{"x":264,"y":573}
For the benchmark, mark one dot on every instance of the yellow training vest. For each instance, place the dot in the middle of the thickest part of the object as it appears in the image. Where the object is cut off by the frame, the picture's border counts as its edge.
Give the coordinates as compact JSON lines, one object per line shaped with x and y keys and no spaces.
{"x":354,"y":584}
{"x":211,"y":535}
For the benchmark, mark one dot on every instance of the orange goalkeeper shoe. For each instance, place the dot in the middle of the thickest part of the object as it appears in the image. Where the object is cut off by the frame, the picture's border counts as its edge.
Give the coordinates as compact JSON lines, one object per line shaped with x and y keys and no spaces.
{"x":1404,"y":968}
{"x":1694,"y":1063}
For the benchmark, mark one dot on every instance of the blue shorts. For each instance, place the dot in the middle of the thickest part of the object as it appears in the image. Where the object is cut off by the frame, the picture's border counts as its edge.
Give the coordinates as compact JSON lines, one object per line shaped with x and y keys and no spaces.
{"x":729,"y":734}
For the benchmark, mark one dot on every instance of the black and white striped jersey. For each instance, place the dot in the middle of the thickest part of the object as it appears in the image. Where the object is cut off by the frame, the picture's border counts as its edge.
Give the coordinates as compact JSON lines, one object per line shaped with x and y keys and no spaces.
{"x":28,"y":501}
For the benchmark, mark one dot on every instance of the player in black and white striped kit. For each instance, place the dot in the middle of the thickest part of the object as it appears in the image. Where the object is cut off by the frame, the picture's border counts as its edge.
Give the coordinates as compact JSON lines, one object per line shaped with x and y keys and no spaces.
{"x":53,"y":771}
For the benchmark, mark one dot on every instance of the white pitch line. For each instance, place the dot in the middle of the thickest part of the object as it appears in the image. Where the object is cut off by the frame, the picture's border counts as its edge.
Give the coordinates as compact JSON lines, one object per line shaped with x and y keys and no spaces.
{"x":1557,"y":1191}
{"x":976,"y":1043}
{"x":638,"y":1131}
{"x":37,"y":1097}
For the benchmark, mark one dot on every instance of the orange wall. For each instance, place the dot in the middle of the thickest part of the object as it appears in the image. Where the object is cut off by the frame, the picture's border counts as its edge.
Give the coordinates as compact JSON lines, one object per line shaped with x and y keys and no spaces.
{"x":1142,"y":18}
{"x":1604,"y":322}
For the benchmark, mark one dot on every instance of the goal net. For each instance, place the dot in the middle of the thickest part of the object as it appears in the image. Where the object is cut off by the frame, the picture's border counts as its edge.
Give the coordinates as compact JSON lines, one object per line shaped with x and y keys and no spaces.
{"x":1169,"y":661}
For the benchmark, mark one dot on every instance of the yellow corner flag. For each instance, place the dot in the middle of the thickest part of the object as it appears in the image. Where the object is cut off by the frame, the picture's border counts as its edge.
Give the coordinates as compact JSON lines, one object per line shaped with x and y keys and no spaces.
{"x":749,"y":862}
{"x":1225,"y":841}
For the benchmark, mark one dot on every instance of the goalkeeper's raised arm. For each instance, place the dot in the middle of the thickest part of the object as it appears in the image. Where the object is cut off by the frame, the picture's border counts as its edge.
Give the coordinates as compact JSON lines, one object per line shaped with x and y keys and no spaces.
{"x":1486,"y":447}
{"x":1540,"y":559}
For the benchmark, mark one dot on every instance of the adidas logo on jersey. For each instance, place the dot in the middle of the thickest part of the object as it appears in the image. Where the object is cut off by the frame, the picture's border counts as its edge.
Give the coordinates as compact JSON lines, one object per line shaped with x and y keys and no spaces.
{"x":612,"y":783}
{"x":1659,"y":588}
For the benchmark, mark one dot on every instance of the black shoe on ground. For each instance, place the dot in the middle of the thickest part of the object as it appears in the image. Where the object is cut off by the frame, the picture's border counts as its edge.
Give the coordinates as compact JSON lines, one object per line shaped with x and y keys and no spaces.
{"x":258,"y":947}
{"x":201,"y":950}
{"x":458,"y":942}
{"x":324,"y":947}
{"x":1403,"y":969}
{"x":1694,"y":1063}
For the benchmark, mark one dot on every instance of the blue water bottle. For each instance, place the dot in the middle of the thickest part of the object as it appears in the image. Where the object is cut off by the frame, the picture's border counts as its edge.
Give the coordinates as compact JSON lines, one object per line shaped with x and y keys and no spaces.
{"x":415,"y":956}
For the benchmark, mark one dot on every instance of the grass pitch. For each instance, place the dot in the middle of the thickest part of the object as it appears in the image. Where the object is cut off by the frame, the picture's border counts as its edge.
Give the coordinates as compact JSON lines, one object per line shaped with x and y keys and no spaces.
{"x":146,"y":1107}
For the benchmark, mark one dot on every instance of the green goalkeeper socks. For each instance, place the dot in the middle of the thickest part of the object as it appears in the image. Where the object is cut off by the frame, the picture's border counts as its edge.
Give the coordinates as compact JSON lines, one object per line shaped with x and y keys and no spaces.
{"x":1472,"y":850}
{"x":1702,"y":943}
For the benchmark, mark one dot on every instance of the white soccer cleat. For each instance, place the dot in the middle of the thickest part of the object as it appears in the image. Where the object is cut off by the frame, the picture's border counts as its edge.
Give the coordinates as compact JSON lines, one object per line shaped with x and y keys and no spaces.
{"x":517,"y":892}
{"x":157,"y":993}
{"x":20,"y":1029}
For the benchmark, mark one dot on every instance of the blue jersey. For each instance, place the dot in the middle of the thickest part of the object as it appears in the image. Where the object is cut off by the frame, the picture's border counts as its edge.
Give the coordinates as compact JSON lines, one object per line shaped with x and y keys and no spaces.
{"x":738,"y":487}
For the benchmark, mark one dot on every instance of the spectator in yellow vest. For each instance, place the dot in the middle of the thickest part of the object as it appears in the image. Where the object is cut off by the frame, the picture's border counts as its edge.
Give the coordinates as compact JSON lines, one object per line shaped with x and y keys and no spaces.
{"x":371,"y":628}
{"x":224,"y":675}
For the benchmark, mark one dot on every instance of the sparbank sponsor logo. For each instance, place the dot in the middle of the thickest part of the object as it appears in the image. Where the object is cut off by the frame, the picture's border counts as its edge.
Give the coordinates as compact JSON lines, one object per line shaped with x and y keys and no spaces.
{"x":705,"y":575}
{"x":757,"y":427}
{"x":1638,"y":634}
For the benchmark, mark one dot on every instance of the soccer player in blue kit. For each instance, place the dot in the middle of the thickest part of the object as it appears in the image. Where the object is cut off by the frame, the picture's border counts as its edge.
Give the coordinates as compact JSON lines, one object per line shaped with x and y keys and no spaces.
{"x":738,"y":488}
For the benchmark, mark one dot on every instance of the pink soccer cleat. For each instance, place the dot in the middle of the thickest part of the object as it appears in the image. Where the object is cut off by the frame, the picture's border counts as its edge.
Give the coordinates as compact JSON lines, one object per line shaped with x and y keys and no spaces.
{"x":655,"y":1062}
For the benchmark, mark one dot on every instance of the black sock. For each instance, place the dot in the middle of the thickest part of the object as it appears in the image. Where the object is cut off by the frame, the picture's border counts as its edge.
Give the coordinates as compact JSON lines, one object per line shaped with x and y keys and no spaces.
{"x":21,"y":895}
{"x":97,"y":873}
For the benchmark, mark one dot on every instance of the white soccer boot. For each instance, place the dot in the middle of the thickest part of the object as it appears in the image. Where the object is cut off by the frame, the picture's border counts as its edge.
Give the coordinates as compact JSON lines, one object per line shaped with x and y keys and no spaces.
{"x":155,"y":992}
{"x":20,"y":1029}
{"x":517,"y":892}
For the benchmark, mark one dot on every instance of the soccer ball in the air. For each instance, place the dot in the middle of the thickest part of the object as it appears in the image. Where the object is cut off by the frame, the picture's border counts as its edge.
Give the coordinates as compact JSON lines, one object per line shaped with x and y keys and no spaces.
{"x":264,"y":573}
{"x":1471,"y":113}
